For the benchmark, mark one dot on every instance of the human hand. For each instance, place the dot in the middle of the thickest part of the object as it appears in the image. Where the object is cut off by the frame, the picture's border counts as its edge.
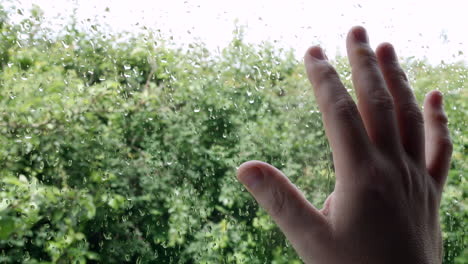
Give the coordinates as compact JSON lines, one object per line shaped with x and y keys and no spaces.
{"x":391,"y":162}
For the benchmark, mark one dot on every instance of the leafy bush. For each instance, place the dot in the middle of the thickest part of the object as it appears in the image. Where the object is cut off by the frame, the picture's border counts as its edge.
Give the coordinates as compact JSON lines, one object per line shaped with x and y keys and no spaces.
{"x":125,"y":151}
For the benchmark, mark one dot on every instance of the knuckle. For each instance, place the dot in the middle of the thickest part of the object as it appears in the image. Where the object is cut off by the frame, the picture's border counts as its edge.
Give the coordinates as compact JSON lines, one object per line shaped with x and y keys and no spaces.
{"x":440,"y":117}
{"x":445,"y":143}
{"x":345,"y":108}
{"x":325,"y":74}
{"x":382,"y":101}
{"x":401,"y":75}
{"x":382,"y":174}
{"x":278,"y":202}
{"x":373,"y":182}
{"x":411,"y":112}
{"x":377,"y":194}
{"x":366,"y":57}
{"x":398,"y":74}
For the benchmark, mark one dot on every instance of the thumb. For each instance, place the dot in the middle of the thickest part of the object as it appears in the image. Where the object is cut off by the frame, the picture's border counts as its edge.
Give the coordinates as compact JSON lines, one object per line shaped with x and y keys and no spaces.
{"x":303,"y":225}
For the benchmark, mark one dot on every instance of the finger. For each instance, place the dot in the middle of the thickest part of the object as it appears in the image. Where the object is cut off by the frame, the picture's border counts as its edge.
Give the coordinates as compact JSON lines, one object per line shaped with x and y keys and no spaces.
{"x":326,"y":205}
{"x":304,"y":226}
{"x":438,"y":143}
{"x":374,"y":101}
{"x":343,"y":124}
{"x":409,"y":116}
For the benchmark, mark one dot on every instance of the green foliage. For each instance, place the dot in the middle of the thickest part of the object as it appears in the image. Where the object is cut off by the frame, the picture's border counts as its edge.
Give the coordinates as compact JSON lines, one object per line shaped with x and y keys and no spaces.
{"x":125,"y":151}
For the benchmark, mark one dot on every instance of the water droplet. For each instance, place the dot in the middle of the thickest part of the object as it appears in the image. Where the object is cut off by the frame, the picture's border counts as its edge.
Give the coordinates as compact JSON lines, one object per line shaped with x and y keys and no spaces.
{"x":65,"y":45}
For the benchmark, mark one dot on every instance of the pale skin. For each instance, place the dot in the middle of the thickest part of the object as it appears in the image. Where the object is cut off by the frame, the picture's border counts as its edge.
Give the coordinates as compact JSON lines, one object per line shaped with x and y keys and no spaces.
{"x":391,"y":162}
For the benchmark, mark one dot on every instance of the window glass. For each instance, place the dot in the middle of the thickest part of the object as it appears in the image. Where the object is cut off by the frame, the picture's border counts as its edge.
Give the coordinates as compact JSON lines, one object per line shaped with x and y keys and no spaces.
{"x":122,"y":122}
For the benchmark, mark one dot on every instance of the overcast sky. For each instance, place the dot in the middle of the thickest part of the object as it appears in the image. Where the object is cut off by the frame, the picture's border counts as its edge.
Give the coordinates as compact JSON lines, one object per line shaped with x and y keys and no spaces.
{"x":432,"y":29}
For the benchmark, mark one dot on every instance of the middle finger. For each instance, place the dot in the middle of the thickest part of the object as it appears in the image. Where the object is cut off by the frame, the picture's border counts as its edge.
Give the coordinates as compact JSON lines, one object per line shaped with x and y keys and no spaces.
{"x":375,"y":103}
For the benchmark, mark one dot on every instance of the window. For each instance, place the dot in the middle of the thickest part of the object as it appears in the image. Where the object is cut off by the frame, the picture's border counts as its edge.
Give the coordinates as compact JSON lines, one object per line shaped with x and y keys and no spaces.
{"x":122,"y":123}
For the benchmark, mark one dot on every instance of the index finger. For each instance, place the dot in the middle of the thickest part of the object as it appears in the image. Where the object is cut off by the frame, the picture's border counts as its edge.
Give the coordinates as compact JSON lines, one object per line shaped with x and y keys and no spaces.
{"x":343,"y":124}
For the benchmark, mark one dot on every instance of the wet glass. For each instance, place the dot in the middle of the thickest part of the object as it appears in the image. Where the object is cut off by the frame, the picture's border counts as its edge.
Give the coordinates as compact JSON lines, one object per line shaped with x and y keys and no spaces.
{"x":122,"y":123}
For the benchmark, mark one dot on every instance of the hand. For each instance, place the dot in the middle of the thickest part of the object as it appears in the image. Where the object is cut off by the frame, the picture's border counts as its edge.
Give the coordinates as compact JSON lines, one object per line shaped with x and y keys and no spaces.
{"x":391,"y":162}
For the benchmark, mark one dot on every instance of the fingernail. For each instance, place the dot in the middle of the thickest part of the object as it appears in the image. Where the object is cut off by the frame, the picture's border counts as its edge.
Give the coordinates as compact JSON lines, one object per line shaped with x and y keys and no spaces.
{"x":437,"y":99}
{"x":360,"y":34}
{"x":251,"y":177}
{"x":388,"y":52}
{"x":317,"y":53}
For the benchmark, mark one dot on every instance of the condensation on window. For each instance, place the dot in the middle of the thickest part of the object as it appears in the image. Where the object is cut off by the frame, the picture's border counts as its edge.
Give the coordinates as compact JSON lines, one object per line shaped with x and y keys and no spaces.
{"x":122,"y":123}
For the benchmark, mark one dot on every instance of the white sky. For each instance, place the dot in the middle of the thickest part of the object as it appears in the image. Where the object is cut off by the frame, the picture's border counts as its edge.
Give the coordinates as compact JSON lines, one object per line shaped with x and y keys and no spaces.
{"x":414,"y":27}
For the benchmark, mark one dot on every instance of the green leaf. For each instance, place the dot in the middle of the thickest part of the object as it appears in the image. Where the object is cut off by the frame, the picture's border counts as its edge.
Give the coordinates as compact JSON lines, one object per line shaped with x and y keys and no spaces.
{"x":7,"y":227}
